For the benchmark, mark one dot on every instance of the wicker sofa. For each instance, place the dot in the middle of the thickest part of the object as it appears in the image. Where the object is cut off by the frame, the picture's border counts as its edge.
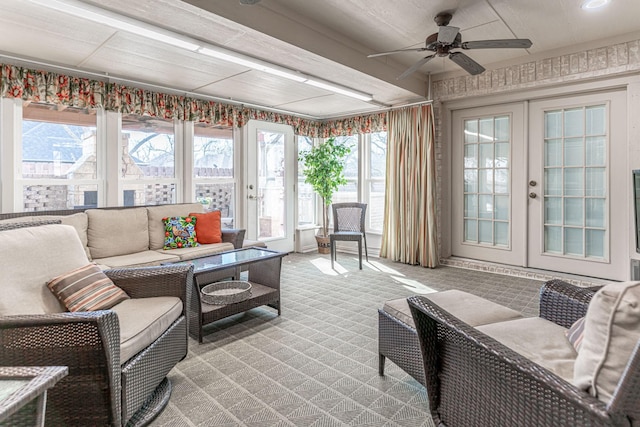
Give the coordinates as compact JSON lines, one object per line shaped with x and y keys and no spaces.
{"x":118,"y":359}
{"x":131,"y":236}
{"x":525,"y":372}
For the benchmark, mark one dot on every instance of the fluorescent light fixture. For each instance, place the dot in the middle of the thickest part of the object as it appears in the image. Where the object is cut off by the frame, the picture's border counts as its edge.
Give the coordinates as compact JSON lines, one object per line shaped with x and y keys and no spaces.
{"x":256,"y":64}
{"x":339,"y":89}
{"x":102,"y":16}
{"x":594,"y":4}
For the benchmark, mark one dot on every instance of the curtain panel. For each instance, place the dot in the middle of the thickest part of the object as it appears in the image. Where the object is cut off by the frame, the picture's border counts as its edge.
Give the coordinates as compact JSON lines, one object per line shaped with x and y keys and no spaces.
{"x":409,"y":232}
{"x":52,"y":88}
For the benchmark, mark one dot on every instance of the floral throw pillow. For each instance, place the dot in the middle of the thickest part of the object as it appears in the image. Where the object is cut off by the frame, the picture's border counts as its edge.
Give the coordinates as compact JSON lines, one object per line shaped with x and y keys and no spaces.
{"x":180,"y":232}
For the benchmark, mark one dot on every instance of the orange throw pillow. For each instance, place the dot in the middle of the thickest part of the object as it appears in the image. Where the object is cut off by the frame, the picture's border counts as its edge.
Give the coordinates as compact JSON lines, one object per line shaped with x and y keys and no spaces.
{"x":208,"y":227}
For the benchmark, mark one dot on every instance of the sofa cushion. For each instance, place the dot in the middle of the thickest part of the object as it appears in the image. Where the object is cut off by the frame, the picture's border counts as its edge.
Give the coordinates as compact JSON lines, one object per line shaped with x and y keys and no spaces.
{"x":86,"y":289}
{"x":199,"y":251}
{"x":155,"y":215}
{"x":113,"y":232}
{"x":611,"y":333}
{"x":467,"y":307}
{"x":208,"y":227}
{"x":78,"y":221}
{"x":179,"y":232}
{"x":138,"y":259}
{"x":23,"y":282}
{"x":143,"y":320}
{"x":539,"y":340}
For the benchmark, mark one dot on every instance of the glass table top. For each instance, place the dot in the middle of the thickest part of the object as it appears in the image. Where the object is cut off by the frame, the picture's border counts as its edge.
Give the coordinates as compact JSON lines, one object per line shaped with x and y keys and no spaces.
{"x":231,"y":259}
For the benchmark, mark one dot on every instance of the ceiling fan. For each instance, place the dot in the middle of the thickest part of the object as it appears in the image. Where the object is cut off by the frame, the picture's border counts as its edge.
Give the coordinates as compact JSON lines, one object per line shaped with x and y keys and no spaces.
{"x":448,"y":38}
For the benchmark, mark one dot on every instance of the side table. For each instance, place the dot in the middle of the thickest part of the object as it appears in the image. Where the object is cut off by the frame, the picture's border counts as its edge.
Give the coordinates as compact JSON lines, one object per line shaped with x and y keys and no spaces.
{"x":23,"y":393}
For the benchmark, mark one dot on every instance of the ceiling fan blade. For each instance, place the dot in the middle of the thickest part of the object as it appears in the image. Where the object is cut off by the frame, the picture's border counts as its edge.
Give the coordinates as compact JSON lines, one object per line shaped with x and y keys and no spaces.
{"x":391,"y":52}
{"x":447,"y":35}
{"x":491,"y":44}
{"x":415,"y":66}
{"x":470,"y":66}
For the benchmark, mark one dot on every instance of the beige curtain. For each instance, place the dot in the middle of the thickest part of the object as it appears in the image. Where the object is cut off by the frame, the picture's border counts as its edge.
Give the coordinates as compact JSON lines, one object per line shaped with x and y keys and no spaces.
{"x":409,"y":233}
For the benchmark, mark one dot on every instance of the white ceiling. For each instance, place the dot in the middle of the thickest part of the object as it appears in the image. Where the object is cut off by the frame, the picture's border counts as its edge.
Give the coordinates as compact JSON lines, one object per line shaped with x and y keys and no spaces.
{"x":328,"y":39}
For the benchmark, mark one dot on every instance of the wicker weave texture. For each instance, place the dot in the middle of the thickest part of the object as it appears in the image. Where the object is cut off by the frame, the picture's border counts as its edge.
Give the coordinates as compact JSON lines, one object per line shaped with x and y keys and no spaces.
{"x":473,"y":380}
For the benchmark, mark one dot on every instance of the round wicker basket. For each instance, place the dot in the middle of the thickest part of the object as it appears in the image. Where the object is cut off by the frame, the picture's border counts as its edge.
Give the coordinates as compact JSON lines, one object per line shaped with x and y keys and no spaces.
{"x":227,"y":292}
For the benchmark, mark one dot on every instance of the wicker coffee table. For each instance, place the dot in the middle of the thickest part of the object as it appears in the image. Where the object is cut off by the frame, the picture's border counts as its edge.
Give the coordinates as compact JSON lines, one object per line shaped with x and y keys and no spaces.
{"x":264,"y":267}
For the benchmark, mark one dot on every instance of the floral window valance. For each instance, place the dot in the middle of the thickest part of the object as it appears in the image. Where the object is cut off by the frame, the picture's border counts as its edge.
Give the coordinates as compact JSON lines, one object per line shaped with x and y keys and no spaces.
{"x":48,"y":87}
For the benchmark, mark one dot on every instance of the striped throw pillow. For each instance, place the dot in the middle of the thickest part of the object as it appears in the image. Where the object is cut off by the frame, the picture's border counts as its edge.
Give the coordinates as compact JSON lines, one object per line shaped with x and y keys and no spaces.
{"x":86,"y":289}
{"x":575,"y":334}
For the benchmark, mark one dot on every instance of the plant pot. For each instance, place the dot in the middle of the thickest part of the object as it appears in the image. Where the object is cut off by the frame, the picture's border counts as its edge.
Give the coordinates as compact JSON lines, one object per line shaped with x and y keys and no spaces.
{"x":324,"y":244}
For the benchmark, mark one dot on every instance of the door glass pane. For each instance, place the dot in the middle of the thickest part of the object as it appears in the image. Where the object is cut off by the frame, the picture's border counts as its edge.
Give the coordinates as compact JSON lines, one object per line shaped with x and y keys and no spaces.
{"x":595,"y":120}
{"x":574,"y":122}
{"x":573,"y":241}
{"x":595,"y":243}
{"x":502,"y":207}
{"x":596,"y":153}
{"x":553,"y":239}
{"x":485,"y":206}
{"x":485,"y":231}
{"x":306,"y":195}
{"x":553,"y":152}
{"x":553,"y":210}
{"x":573,"y":209}
{"x":502,"y":233}
{"x":595,"y":212}
{"x":577,"y":183}
{"x":573,"y":152}
{"x":486,"y":174}
{"x":271,"y":191}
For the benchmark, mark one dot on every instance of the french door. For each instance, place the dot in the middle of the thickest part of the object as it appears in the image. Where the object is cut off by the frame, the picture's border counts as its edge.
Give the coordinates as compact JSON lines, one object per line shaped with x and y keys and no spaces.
{"x":577,"y":185}
{"x":269,"y":184}
{"x":553,"y":196}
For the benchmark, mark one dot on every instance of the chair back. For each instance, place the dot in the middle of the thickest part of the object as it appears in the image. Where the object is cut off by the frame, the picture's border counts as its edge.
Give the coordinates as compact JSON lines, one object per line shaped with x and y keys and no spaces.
{"x":349,"y":216}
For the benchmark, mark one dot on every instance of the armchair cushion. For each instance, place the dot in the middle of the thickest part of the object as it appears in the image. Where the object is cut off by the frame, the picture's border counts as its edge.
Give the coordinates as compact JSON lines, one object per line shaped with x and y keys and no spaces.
{"x":143,"y":320}
{"x":86,"y":288}
{"x":611,"y":333}
{"x":539,"y":340}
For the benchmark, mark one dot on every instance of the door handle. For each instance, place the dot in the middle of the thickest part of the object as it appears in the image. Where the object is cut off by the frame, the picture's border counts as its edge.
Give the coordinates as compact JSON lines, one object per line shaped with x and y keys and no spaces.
{"x":251,"y":196}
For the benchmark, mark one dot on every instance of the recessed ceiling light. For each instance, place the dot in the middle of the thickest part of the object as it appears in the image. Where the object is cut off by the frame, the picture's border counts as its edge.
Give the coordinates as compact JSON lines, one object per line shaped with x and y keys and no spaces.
{"x":594,"y":4}
{"x":249,"y":2}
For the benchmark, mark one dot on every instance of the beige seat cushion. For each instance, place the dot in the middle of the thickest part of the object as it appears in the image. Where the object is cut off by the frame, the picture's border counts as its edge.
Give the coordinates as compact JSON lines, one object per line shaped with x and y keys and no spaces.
{"x":113,"y":232}
{"x":539,"y":340}
{"x":611,"y":333}
{"x":138,"y":259}
{"x":249,"y":243}
{"x":467,"y":307}
{"x":156,"y":226}
{"x":143,"y":320}
{"x":198,"y":251}
{"x":29,"y":258}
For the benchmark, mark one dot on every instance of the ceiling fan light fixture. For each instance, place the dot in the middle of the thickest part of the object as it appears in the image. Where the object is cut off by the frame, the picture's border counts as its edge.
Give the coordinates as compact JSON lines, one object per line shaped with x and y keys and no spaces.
{"x":594,"y":4}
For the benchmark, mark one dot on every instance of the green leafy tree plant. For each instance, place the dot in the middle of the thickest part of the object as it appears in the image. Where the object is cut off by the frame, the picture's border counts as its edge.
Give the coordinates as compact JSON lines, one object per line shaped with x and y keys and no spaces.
{"x":324,"y":171}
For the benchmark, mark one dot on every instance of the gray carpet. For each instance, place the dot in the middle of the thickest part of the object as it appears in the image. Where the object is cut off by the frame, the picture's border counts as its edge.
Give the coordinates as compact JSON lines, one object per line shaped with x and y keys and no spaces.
{"x":317,"y":364}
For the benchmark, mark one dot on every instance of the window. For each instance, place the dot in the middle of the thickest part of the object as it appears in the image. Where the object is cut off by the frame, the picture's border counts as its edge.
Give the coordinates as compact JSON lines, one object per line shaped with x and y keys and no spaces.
{"x":213,"y":173}
{"x":349,"y":191}
{"x":58,"y":158}
{"x":148,"y":166}
{"x":376,"y":178}
{"x":306,"y":196}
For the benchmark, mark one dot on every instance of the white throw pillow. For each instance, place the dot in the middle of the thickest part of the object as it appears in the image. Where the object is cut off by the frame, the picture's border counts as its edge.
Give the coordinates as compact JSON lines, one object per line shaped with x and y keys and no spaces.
{"x":611,"y":333}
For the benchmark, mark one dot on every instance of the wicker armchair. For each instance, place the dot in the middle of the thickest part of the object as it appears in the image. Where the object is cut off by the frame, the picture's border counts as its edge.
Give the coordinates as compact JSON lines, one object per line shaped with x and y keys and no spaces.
{"x":100,"y":389}
{"x":473,"y":380}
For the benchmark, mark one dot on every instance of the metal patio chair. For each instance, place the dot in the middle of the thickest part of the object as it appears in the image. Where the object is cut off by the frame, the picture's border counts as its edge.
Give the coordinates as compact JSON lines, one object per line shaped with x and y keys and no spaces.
{"x":348,"y":225}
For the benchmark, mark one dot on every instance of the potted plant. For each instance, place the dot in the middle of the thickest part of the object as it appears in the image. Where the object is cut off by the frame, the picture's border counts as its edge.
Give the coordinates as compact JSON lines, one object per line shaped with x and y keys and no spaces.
{"x":324,"y":171}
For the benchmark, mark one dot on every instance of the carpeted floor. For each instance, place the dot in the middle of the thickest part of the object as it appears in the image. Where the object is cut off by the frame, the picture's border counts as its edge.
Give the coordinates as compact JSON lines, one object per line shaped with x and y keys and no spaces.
{"x":317,"y":364}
